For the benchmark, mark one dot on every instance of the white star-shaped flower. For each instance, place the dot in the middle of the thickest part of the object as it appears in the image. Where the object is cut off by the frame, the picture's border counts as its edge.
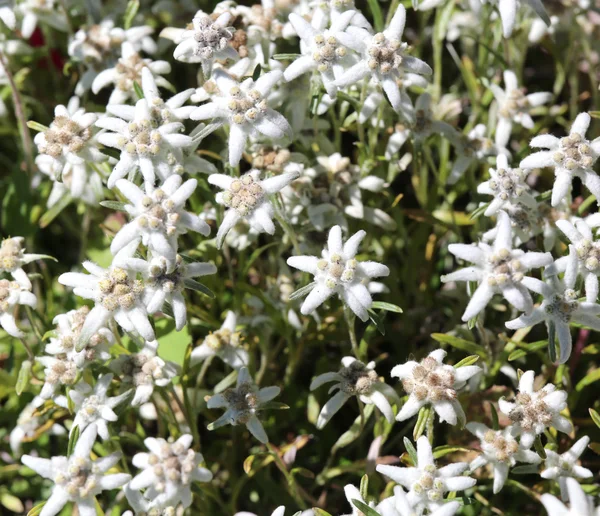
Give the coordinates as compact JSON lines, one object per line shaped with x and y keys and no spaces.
{"x":224,"y":343}
{"x":561,"y":307}
{"x":426,"y":483}
{"x":242,"y":403}
{"x":514,"y":106}
{"x":247,"y":198}
{"x":338,"y":272}
{"x":581,"y":504}
{"x":94,"y":406}
{"x":354,"y":379}
{"x":500,"y":449}
{"x":570,"y":156}
{"x":168,"y":471}
{"x":158,"y":217}
{"x":384,"y":57}
{"x":433,"y":382}
{"x":11,"y":295}
{"x":243,"y":106}
{"x":498,"y":269}
{"x":76,"y":478}
{"x":564,"y":466}
{"x":508,"y":186}
{"x":534,"y":411}
{"x":13,"y":257}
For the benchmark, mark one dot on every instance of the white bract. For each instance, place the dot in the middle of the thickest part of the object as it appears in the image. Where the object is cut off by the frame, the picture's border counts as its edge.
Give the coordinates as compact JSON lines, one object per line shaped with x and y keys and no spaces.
{"x":224,"y":343}
{"x":431,"y":382}
{"x":500,"y":449}
{"x":384,"y":56}
{"x":242,"y":403}
{"x":13,"y":257}
{"x":158,"y":217}
{"x":508,"y":13}
{"x":383,"y":509}
{"x":426,"y":482}
{"x":244,"y":107}
{"x":338,"y":272}
{"x":76,"y":478}
{"x":400,"y":505}
{"x":564,"y":466}
{"x":94,"y":405}
{"x":508,"y":186}
{"x":581,"y":504}
{"x":514,"y":107}
{"x":154,"y":145}
{"x":570,"y":156}
{"x":11,"y":295}
{"x":533,"y":411}
{"x":247,"y":198}
{"x":168,"y":471}
{"x":498,"y":269}
{"x":354,"y":379}
{"x":560,"y":307}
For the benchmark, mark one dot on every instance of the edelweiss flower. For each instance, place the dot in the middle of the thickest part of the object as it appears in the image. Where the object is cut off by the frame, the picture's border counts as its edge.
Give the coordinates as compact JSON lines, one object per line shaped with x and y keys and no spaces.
{"x":385,"y":508}
{"x":426,"y":483}
{"x":118,"y":296}
{"x":499,"y":269}
{"x":242,"y":403}
{"x":11,"y":295}
{"x":508,"y":13}
{"x":514,"y":105}
{"x":534,"y":411}
{"x":224,"y":343}
{"x":206,"y":41}
{"x":48,"y":12}
{"x":169,"y":470}
{"x":581,"y":504}
{"x":246,"y":198}
{"x":338,"y":272}
{"x":13,"y":257}
{"x":500,"y":449}
{"x":76,"y":478}
{"x":243,"y":106}
{"x":560,"y":307}
{"x":153,"y":146}
{"x":94,"y":406}
{"x":383,"y":57}
{"x":354,"y":379}
{"x":471,"y":148}
{"x":143,"y":371}
{"x":508,"y":186}
{"x":158,"y":217}
{"x":570,"y":156}
{"x":127,"y":71}
{"x":564,"y":466}
{"x":433,"y":382}
{"x":322,"y":50}
{"x":165,"y":281}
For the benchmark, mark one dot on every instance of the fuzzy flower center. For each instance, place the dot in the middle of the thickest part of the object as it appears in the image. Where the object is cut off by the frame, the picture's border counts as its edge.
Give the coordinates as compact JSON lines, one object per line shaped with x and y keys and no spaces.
{"x":509,"y":183}
{"x":91,"y":408}
{"x":118,"y":291}
{"x":142,"y":138}
{"x":501,"y":447}
{"x":473,"y":146}
{"x":223,"y":338}
{"x":61,"y":371}
{"x":159,"y":213}
{"x":209,"y":37}
{"x":243,"y":400}
{"x":63,"y":136}
{"x":430,"y":381}
{"x":80,"y":479}
{"x":384,"y":54}
{"x":515,"y":103}
{"x":129,"y":70}
{"x":428,"y":486}
{"x":505,"y":269}
{"x":141,"y":369}
{"x":11,"y":253}
{"x":357,"y":379}
{"x":160,"y":277}
{"x":327,"y":52}
{"x":246,"y":106}
{"x":273,"y":160}
{"x":574,"y":152}
{"x":336,"y":269}
{"x":244,"y":195}
{"x":589,"y":254}
{"x":531,"y":410}
{"x":175,"y":464}
{"x":6,"y":289}
{"x":563,"y":306}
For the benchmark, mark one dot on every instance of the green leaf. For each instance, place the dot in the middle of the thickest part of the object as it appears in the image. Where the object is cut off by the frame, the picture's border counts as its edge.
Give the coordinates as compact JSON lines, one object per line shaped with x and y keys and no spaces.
{"x":595,"y":417}
{"x":527,"y":469}
{"x":256,"y":72}
{"x":364,"y":508}
{"x":377,"y":15}
{"x":131,"y":10}
{"x":302,"y":291}
{"x":286,"y":57}
{"x":23,"y":377}
{"x":198,"y":287}
{"x":389,"y":307}
{"x":11,"y":502}
{"x":274,"y":405}
{"x":377,"y":320}
{"x":53,"y":212}
{"x":138,"y":90}
{"x":114,"y":205}
{"x":467,"y":361}
{"x":35,"y":511}
{"x":588,"y":379}
{"x":320,"y":512}
{"x":73,"y":438}
{"x":364,"y":487}
{"x":353,"y":433}
{"x":226,"y":382}
{"x":463,"y":345}
{"x":495,"y":423}
{"x":411,"y":451}
{"x":539,"y":447}
{"x":447,"y":449}
{"x":36,"y":126}
{"x":551,"y":341}
{"x":421,"y":422}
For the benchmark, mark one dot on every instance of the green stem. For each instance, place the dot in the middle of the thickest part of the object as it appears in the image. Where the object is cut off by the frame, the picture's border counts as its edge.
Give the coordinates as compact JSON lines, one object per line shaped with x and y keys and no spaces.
{"x":350,"y":320}
{"x":288,"y":476}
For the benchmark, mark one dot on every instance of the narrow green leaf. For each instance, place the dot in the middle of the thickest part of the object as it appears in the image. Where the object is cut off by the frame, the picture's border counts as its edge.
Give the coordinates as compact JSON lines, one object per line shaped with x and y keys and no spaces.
{"x":389,"y":307}
{"x":36,"y":126}
{"x":35,"y":511}
{"x":274,"y":405}
{"x":375,"y":8}
{"x":286,"y":57}
{"x":467,"y":361}
{"x":302,"y":291}
{"x":411,"y":451}
{"x":364,"y":486}
{"x":226,"y":382}
{"x":256,"y":72}
{"x":421,"y":422}
{"x":551,"y":341}
{"x":114,"y":205}
{"x":320,"y":512}
{"x":199,"y":287}
{"x":23,"y":377}
{"x":539,"y":447}
{"x":595,"y":417}
{"x":590,"y":378}
{"x":131,"y":10}
{"x":447,"y":449}
{"x":377,"y":320}
{"x":462,"y":344}
{"x":11,"y":502}
{"x":527,"y":469}
{"x":73,"y":438}
{"x":53,"y":212}
{"x":495,"y":423}
{"x":364,"y":508}
{"x":138,"y":90}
